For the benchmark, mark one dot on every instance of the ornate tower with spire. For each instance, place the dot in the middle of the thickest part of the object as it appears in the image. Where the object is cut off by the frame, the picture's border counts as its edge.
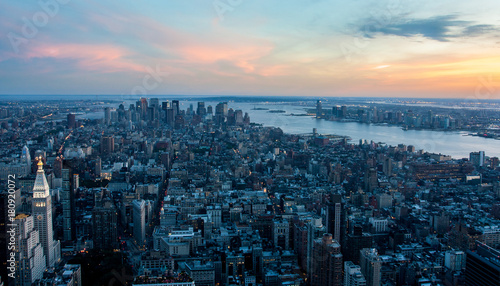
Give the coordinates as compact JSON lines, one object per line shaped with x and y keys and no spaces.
{"x":42,"y":213}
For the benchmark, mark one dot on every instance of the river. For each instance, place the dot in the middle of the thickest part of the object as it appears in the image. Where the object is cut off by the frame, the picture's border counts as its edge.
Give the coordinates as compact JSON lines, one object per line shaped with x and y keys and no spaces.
{"x":454,"y":143}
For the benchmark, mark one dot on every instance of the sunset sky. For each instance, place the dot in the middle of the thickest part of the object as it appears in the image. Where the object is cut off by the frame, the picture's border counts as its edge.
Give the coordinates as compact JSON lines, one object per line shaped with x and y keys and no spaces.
{"x":393,"y":48}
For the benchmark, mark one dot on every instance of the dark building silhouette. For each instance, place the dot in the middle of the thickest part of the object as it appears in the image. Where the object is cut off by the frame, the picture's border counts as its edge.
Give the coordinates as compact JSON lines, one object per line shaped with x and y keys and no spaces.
{"x":483,"y":266}
{"x":71,"y":121}
{"x":104,"y":222}
{"x":336,"y":218}
{"x":107,"y":145}
{"x":326,"y":262}
{"x":201,"y":110}
{"x":355,"y":242}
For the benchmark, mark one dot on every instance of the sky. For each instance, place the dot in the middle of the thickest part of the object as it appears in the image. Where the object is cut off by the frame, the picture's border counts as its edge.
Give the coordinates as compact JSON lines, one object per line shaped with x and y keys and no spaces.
{"x":383,"y":48}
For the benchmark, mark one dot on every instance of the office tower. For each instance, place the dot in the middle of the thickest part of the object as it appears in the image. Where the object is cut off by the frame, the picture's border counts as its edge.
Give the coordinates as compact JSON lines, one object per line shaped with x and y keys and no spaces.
{"x":319,"y":109}
{"x":107,"y":116}
{"x":98,"y":167}
{"x":105,"y":225}
{"x":315,"y":229}
{"x":58,"y":166}
{"x":210,"y":110}
{"x":66,"y":203}
{"x":231,"y":120}
{"x":440,"y":223}
{"x":494,"y":162}
{"x":201,"y":111}
{"x":190,"y":110}
{"x":176,"y":107}
{"x":151,"y":114}
{"x":353,"y":275}
{"x":371,"y":180}
{"x":42,"y":212}
{"x":221,"y":112}
{"x":335,"y":111}
{"x":336,"y":218}
{"x":30,"y":256}
{"x":477,"y":158}
{"x":66,"y":208}
{"x":238,"y":117}
{"x":154,"y":102}
{"x":454,"y":260}
{"x":139,"y":213}
{"x":71,"y":121}
{"x":168,"y":218}
{"x":221,"y":109}
{"x":281,"y":234}
{"x":483,"y":266}
{"x":326,"y":264}
{"x":384,"y":201}
{"x":170,"y":116}
{"x":387,"y":167}
{"x":371,"y":264}
{"x":67,"y":199}
{"x":343,"y":111}
{"x":356,"y":242}
{"x":107,"y":145}
{"x":165,"y":105}
{"x":179,"y":122}
{"x":215,"y":214}
{"x":246,"y":119}
{"x":25,"y":155}
{"x":143,"y":107}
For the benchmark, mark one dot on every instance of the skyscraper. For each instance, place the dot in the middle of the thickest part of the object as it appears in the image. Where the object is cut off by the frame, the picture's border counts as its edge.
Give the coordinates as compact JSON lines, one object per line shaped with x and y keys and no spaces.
{"x":482,"y":267}
{"x":201,"y":111}
{"x":98,"y":167}
{"x":319,"y":109}
{"x":71,"y":121}
{"x":139,"y":213}
{"x":104,"y":225}
{"x":176,"y":107}
{"x":357,"y":241}
{"x":107,"y":145}
{"x":42,"y":212}
{"x":154,"y":102}
{"x":144,"y":108}
{"x":30,"y":254}
{"x":25,"y":155}
{"x":67,"y":202}
{"x":326,"y":262}
{"x":371,"y":265}
{"x":107,"y":116}
{"x":57,"y":166}
{"x":335,"y":217}
{"x":477,"y":158}
{"x":371,"y":180}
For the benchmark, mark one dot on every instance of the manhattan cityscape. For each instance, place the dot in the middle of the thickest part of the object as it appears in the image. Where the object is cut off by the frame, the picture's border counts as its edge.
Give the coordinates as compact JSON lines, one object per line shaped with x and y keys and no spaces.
{"x":253,"y":143}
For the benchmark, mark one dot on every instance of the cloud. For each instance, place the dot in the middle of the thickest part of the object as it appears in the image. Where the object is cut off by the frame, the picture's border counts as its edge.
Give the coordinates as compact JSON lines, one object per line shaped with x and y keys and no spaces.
{"x":439,"y":28}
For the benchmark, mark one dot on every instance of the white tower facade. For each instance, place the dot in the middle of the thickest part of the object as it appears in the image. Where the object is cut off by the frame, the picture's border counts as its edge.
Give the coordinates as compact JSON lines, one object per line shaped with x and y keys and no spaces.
{"x":42,"y":213}
{"x":26,"y":154}
{"x":29,"y":251}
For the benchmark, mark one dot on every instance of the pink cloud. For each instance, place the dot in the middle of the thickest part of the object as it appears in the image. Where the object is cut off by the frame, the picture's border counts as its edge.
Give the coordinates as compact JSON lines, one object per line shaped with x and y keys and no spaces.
{"x":103,"y":58}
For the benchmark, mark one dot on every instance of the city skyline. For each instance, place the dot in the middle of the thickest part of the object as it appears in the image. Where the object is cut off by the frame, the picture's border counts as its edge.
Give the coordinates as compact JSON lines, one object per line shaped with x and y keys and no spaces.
{"x":159,"y":192}
{"x":323,"y":48}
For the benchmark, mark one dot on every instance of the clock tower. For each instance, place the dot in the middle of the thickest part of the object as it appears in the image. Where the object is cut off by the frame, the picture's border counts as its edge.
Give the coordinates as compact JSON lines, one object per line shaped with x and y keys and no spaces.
{"x":42,"y":212}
